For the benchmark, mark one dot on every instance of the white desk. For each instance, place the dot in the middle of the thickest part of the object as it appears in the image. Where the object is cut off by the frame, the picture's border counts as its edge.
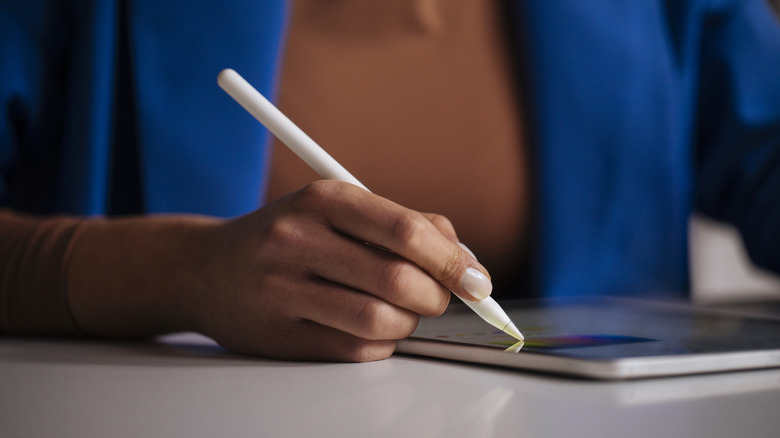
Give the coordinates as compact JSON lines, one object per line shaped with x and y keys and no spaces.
{"x":61,"y":388}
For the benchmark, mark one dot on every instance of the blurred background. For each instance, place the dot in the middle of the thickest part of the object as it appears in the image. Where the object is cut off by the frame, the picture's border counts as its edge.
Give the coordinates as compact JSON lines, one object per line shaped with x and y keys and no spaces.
{"x":720,"y":267}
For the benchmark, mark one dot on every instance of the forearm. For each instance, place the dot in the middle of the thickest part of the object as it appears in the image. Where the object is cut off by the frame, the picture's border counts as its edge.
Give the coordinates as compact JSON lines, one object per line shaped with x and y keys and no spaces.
{"x":102,"y":277}
{"x":139,"y":276}
{"x":34,"y":252}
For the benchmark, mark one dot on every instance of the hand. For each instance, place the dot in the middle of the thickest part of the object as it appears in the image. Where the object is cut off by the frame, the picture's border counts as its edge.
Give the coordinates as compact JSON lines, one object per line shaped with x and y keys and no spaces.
{"x":306,"y":278}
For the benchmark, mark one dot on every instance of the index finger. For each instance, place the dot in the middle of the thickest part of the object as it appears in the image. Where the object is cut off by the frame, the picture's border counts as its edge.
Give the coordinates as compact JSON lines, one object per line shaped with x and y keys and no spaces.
{"x":408,"y":233}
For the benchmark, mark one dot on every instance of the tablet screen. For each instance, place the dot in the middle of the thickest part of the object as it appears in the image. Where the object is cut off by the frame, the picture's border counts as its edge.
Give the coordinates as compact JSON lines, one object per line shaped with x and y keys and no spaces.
{"x":603,"y":328}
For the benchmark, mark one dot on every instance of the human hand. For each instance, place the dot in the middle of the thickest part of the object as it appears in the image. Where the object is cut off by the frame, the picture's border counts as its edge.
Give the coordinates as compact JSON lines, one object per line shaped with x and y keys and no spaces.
{"x":306,"y":277}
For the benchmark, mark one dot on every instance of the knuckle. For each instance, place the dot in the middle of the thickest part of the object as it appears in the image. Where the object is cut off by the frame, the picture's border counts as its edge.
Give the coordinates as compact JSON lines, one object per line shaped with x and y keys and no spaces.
{"x":369,"y":319}
{"x":441,"y":306}
{"x":286,"y":233}
{"x":442,"y":223}
{"x":449,"y":273}
{"x":394,"y":278}
{"x":318,"y":194}
{"x":364,"y":350}
{"x":411,"y":326}
{"x":408,"y":226}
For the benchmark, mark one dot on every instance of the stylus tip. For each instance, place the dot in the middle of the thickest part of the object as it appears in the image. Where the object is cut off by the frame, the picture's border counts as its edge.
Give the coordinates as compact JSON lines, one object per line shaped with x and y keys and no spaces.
{"x":511,"y":330}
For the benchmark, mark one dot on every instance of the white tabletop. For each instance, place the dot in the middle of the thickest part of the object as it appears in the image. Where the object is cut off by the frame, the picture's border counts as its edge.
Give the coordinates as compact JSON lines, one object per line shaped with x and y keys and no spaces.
{"x":189,"y":387}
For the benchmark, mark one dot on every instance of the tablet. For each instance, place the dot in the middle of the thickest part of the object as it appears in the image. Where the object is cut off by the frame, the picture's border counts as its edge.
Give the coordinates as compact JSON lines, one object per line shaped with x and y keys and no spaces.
{"x":603,"y":338}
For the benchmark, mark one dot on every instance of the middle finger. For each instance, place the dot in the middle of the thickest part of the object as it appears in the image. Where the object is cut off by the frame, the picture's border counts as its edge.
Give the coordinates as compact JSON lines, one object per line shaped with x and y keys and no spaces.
{"x":378,"y":272}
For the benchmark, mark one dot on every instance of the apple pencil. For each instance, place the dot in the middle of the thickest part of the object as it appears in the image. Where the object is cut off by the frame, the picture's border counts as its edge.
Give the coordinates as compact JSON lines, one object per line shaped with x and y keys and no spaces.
{"x":327,"y":167}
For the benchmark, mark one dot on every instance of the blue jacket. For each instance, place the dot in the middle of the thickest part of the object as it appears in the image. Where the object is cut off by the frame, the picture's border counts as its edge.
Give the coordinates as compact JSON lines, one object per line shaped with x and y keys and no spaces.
{"x":640,"y":110}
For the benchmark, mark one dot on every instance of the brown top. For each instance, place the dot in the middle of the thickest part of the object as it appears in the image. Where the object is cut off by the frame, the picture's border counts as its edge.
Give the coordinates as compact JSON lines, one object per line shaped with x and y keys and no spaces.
{"x":416,"y":99}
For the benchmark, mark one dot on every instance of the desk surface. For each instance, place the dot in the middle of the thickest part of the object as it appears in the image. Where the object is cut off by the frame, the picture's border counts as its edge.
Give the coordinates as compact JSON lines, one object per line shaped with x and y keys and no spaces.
{"x":187,"y":386}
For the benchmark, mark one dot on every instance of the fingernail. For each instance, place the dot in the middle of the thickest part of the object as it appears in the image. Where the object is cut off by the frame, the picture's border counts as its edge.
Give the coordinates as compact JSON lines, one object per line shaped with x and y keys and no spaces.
{"x":476,"y":283}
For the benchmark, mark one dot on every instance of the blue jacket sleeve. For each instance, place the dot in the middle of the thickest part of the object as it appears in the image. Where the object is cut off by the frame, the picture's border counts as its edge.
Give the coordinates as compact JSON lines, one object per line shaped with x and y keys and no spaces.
{"x":738,"y":156}
{"x":26,"y":74}
{"x":35,"y":65}
{"x":198,"y":151}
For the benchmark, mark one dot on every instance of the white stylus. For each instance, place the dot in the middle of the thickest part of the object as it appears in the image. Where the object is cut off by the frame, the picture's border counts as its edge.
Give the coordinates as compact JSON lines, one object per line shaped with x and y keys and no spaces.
{"x":327,"y":167}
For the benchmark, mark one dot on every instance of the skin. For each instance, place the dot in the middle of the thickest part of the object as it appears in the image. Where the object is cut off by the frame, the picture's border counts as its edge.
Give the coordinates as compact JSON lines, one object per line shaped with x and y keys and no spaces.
{"x":330,"y":272}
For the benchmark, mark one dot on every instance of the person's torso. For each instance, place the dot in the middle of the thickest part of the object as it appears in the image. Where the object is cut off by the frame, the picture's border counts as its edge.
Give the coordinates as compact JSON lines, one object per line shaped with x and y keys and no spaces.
{"x":417,"y":100}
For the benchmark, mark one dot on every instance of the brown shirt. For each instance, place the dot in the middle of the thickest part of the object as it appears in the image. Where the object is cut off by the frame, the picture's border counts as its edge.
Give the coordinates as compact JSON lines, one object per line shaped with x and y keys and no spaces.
{"x":416,"y":99}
